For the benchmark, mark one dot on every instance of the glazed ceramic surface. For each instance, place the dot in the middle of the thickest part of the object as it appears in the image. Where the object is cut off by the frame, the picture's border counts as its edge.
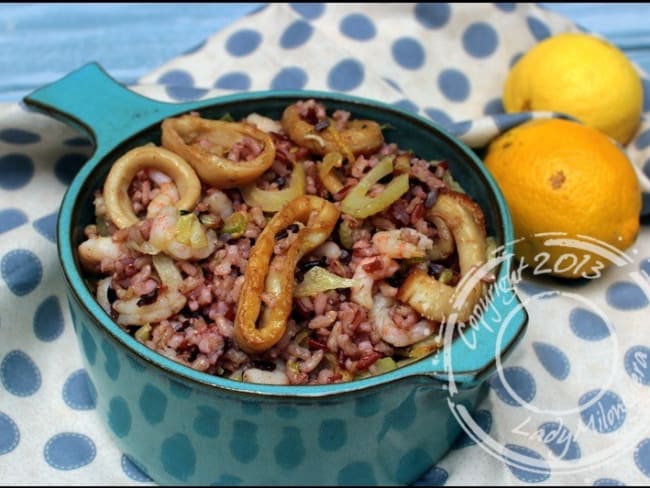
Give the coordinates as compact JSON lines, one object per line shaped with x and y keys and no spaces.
{"x":184,"y":426}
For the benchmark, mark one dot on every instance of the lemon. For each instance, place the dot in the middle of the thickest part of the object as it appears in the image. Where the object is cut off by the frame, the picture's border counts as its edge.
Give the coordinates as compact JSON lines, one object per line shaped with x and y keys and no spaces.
{"x":564,"y":180}
{"x":580,"y":75}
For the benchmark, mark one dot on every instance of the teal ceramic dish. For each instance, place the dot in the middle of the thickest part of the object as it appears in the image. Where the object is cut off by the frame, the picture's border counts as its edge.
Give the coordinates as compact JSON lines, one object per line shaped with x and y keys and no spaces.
{"x":184,"y":426}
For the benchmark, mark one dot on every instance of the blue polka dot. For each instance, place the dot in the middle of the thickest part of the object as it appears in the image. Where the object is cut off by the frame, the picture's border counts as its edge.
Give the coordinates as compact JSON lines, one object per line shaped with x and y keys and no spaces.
{"x":179,"y":85}
{"x":434,"y":477}
{"x":506,"y":7}
{"x":642,"y":140}
{"x":287,"y":412}
{"x":234,"y":81}
{"x":48,"y":319}
{"x":637,"y":364}
{"x":68,"y":165}
{"x":79,"y":392}
{"x":642,"y":457}
{"x":400,"y":418}
{"x":195,"y":48}
{"x":20,"y":375}
{"x":608,"y":482}
{"x":414,"y":461}
{"x":624,"y":295}
{"x":133,"y":471}
{"x":309,"y":11}
{"x":9,"y":434}
{"x":119,"y":416}
{"x":15,"y":171}
{"x":536,"y":471}
{"x":112,"y":364}
{"x":11,"y":218}
{"x":460,"y":128}
{"x":290,"y":451}
{"x":394,"y":84}
{"x":179,"y":390}
{"x":207,"y":421}
{"x":346,"y":75}
{"x":227,"y":479}
{"x":555,"y":362}
{"x":46,"y":226}
{"x":19,"y":136}
{"x":153,"y":404}
{"x":78,"y":142}
{"x":243,"y":444}
{"x":454,"y":85}
{"x":358,"y":473}
{"x":178,"y":457}
{"x":407,"y":105}
{"x":602,"y":411}
{"x":69,"y":450}
{"x":251,"y":408}
{"x":332,"y":434}
{"x":440,"y":117}
{"x":483,"y":419}
{"x":89,"y":347}
{"x":646,"y":94}
{"x":367,"y":406}
{"x":432,"y":15}
{"x":291,"y":78}
{"x":508,"y":121}
{"x":408,"y":53}
{"x":519,"y":381}
{"x":515,"y":58}
{"x":494,"y":107}
{"x":185,"y":93}
{"x":176,"y":77}
{"x":538,"y":29}
{"x":480,"y":40}
{"x":22,"y":271}
{"x":297,"y":34}
{"x":559,"y":440}
{"x":587,"y":325}
{"x":243,"y":42}
{"x":358,"y":26}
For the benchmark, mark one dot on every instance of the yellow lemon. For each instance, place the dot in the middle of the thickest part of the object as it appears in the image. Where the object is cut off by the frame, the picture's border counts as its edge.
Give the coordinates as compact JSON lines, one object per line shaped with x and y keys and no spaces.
{"x":580,"y":75}
{"x":566,"y":183}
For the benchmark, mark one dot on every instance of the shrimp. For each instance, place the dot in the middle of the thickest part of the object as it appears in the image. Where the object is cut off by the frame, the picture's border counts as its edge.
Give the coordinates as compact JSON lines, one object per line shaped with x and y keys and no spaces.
{"x":390,"y":332}
{"x":163,"y":237}
{"x":167,"y":197}
{"x":369,"y":270}
{"x":402,"y":243}
{"x":94,"y":250}
{"x":168,"y":303}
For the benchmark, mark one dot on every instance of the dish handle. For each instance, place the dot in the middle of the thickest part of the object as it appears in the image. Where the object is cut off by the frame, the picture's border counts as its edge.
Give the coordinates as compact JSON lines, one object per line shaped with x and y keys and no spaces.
{"x":476,"y":350}
{"x":99,"y":106}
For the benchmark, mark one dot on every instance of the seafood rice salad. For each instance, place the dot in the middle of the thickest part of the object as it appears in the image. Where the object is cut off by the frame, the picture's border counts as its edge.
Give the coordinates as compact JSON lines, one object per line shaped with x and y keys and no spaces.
{"x":305,"y":250}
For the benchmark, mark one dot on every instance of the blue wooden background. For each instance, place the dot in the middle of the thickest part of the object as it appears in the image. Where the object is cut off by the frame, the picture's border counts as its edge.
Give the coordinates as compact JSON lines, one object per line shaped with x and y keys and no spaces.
{"x":39,"y":43}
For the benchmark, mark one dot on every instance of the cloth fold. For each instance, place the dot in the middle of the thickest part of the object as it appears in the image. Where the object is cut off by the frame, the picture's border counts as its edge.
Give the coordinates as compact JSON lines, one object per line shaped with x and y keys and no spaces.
{"x":570,"y":406}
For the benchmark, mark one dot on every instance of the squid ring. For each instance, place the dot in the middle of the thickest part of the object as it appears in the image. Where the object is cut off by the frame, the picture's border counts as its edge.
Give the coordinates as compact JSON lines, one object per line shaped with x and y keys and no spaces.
{"x":274,"y":275}
{"x":435,"y":300}
{"x":206,"y":145}
{"x":118,"y":203}
{"x":358,"y":137}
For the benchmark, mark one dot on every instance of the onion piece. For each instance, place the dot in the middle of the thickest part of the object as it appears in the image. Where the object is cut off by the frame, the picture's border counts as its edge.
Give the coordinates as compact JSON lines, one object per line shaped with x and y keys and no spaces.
{"x":274,"y":200}
{"x":319,"y":279}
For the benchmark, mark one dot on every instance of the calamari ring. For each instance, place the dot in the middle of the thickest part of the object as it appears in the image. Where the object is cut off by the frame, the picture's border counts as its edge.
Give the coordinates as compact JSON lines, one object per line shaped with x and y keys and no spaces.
{"x":118,"y":203}
{"x":359,"y":136}
{"x":274,"y":275}
{"x":205,"y":144}
{"x":435,"y":300}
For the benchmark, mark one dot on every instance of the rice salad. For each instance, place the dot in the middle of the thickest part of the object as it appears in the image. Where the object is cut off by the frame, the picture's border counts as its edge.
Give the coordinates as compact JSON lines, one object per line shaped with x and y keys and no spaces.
{"x":305,"y":250}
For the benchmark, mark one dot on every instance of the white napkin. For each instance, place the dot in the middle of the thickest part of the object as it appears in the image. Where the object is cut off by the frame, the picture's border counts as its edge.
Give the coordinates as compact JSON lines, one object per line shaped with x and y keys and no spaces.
{"x":570,"y":406}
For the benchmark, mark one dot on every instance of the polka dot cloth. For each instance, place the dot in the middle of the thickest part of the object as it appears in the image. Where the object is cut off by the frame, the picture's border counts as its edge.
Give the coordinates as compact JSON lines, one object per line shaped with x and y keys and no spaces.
{"x":569,"y":406}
